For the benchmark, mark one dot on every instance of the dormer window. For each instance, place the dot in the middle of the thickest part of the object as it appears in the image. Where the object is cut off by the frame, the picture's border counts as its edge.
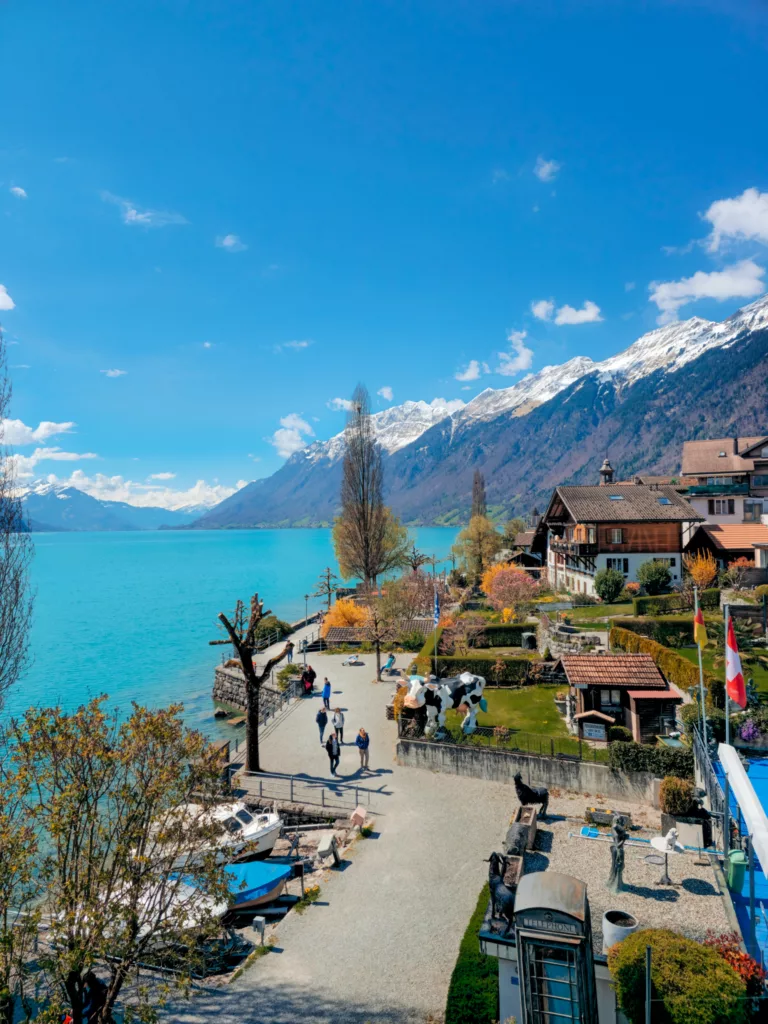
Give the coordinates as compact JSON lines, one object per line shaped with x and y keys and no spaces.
{"x":764,"y":453}
{"x":721,"y":455}
{"x":664,"y":501}
{"x":617,"y":497}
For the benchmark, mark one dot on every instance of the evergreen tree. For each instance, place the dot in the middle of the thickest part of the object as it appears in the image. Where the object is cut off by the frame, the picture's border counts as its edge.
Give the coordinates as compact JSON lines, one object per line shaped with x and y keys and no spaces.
{"x":479,"y":505}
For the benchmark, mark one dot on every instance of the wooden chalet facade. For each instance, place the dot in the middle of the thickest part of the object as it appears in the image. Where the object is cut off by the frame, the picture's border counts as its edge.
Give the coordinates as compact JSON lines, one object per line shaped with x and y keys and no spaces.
{"x":612,"y":526}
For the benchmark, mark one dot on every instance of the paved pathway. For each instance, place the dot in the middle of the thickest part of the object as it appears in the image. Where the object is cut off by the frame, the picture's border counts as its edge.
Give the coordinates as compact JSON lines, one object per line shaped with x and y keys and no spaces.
{"x":381,"y":943}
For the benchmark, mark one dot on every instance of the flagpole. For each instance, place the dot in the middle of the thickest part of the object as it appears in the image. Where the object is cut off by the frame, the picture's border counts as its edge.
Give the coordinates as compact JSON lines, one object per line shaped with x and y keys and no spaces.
{"x":701,"y":676}
{"x":726,"y":786}
{"x":435,"y":616}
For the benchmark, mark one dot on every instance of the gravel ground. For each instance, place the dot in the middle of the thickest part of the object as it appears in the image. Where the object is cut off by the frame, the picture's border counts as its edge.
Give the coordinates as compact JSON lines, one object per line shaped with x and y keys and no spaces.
{"x":691,"y":906}
{"x":381,"y":942}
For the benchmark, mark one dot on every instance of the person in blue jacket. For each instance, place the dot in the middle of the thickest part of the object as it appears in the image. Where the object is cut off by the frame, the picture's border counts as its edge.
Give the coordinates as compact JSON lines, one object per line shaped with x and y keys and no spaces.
{"x":362,"y":741}
{"x":327,"y":694}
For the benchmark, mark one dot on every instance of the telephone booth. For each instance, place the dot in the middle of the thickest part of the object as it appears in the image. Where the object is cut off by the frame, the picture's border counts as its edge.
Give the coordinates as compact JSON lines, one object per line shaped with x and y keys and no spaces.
{"x":553,"y":935}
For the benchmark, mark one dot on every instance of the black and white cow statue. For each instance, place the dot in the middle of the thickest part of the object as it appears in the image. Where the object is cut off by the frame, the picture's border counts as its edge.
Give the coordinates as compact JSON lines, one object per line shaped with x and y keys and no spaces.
{"x":442,"y":695}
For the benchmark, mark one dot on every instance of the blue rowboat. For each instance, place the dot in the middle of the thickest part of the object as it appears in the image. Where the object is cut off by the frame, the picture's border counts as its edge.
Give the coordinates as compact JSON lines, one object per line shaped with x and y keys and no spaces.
{"x":255,"y":882}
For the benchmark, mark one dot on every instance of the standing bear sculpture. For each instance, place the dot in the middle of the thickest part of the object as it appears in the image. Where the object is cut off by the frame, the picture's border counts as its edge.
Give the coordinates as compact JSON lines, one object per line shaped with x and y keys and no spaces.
{"x":439,"y":696}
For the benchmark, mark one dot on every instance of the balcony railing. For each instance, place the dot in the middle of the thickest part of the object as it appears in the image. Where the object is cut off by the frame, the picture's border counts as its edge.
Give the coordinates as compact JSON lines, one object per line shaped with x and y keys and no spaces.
{"x":701,"y":489}
{"x":573,"y":547}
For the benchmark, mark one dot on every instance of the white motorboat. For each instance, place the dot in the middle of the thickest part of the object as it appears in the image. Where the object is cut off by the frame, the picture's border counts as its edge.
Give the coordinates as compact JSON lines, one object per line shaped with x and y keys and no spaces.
{"x":244,"y":832}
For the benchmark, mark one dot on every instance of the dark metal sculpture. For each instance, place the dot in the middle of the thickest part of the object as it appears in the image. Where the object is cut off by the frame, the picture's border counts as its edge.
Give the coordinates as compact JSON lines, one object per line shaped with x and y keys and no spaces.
{"x":516,"y":840}
{"x":531,"y":795}
{"x":620,"y":835}
{"x":502,"y":897}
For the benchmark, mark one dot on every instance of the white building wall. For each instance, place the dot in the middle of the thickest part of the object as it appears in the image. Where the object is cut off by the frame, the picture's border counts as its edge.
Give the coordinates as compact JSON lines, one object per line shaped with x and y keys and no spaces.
{"x":582,"y":582}
{"x":701,"y":504}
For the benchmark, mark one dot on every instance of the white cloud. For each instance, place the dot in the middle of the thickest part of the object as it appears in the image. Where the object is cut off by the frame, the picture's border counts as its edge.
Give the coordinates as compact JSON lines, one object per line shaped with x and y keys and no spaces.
{"x":386,"y":393}
{"x":470,"y":372}
{"x":543,"y":309}
{"x":231,"y":243}
{"x":498,"y":175}
{"x":292,"y":435}
{"x":744,"y":217}
{"x":143,"y":218}
{"x":207,"y":344}
{"x":588,"y":314}
{"x":295,"y":346}
{"x":114,"y":373}
{"x":162,"y":476}
{"x":741,"y":280}
{"x":339,"y":404}
{"x":6,"y":302}
{"x":117,"y":488}
{"x":16,"y":433}
{"x":25,"y":464}
{"x":519,"y":359}
{"x":449,"y":406}
{"x":546,"y":170}
{"x":18,"y":192}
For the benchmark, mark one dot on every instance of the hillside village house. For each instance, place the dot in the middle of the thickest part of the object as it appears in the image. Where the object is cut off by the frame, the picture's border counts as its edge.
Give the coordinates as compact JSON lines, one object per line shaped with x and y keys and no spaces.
{"x":727,"y":478}
{"x":612,"y":526}
{"x":729,"y":541}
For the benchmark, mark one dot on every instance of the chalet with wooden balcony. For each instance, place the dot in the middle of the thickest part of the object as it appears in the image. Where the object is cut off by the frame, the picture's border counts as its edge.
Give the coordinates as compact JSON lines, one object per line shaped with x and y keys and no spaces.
{"x":612,"y":526}
{"x":727,"y":479}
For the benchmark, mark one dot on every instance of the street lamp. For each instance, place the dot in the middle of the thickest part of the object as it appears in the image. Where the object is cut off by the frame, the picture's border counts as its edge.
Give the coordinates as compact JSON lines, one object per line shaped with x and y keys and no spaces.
{"x":306,"y":616}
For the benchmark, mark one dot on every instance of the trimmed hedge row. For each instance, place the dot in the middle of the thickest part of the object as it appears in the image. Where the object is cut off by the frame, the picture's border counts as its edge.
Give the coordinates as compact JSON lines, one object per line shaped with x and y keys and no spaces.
{"x":678,"y":628}
{"x":515,"y":670}
{"x":666,"y":603}
{"x":505,"y":636}
{"x":473,"y":994}
{"x":660,"y":761}
{"x":675,"y":667}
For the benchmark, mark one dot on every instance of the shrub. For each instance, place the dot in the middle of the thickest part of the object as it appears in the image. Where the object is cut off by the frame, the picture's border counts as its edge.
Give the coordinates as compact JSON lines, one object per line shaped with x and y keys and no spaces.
{"x":728,"y":945}
{"x":619,"y":734}
{"x":690,"y":982}
{"x":411,"y":641}
{"x":669,"y":630}
{"x":659,"y":761}
{"x":473,"y":994}
{"x":761,"y":591}
{"x":271,"y":625}
{"x":583,"y":600}
{"x":709,"y":600}
{"x":609,"y":583}
{"x":702,"y":568}
{"x":676,"y":796}
{"x":514,"y":670}
{"x":512,"y":587}
{"x":654,"y":575}
{"x":344,"y":612}
{"x":750,"y":731}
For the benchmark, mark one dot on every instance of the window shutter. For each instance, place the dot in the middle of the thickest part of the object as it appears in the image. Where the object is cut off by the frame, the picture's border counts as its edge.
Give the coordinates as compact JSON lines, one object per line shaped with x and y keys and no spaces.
{"x":711,"y":506}
{"x":731,"y":506}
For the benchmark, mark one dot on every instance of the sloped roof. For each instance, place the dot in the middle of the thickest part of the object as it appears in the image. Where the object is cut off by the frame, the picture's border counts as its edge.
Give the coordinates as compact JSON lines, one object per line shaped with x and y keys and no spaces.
{"x":736,"y":536}
{"x":704,"y":456}
{"x":626,"y":503}
{"x":635,"y":671}
{"x":669,"y":694}
{"x":524,"y":539}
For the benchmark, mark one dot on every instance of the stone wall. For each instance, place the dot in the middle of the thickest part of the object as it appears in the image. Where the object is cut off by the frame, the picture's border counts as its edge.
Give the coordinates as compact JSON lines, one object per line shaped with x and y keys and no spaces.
{"x":229,"y":689}
{"x":501,"y":765}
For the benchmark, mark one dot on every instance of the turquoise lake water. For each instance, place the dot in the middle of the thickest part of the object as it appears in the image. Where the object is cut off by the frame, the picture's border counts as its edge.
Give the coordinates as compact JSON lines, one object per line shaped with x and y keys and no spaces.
{"x":131,"y":614}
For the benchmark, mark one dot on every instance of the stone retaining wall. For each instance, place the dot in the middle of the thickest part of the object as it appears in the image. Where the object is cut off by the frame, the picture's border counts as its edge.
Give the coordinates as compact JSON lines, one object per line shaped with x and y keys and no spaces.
{"x":229,"y":689}
{"x":501,"y":765}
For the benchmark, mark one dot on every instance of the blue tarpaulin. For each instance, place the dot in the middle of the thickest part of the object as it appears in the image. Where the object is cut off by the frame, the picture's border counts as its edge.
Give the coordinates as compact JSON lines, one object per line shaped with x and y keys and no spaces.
{"x":254,"y":879}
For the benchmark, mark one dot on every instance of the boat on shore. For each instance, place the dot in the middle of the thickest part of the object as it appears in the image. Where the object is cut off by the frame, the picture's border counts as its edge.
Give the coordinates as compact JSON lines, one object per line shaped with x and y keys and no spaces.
{"x":244,"y":833}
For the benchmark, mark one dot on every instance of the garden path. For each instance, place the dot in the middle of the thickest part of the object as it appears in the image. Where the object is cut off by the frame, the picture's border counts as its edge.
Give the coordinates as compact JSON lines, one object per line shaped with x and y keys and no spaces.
{"x":380,"y":944}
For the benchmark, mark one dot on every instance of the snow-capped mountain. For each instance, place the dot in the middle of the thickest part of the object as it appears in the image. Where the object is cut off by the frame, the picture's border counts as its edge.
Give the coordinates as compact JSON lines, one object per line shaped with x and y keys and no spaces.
{"x":58,"y":507}
{"x":395,"y":428}
{"x":551,"y":427}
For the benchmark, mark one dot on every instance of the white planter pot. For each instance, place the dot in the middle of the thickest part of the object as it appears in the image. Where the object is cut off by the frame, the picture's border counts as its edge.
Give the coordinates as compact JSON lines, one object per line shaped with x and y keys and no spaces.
{"x":617,"y":925}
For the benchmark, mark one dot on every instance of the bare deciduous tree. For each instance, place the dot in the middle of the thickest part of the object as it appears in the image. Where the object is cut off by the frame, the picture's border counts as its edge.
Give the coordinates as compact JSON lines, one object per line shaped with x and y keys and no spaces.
{"x":327,"y":585}
{"x":15,"y":555}
{"x":369,"y":539}
{"x":242,"y":632}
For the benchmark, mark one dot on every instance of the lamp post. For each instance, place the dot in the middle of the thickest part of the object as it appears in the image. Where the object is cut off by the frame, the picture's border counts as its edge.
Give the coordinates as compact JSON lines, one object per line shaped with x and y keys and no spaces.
{"x":306,"y":616}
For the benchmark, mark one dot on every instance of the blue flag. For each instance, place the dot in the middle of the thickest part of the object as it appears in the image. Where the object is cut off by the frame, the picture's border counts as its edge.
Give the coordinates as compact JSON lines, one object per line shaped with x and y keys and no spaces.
{"x":437,"y":609}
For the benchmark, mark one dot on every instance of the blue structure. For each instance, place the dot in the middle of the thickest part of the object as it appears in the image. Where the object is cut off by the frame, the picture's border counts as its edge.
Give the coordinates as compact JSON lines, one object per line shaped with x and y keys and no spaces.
{"x":255,"y":881}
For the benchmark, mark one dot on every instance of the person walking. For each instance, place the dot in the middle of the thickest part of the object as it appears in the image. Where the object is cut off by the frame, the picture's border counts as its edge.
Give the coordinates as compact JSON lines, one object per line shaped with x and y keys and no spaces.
{"x":363,"y":740}
{"x":327,"y":694}
{"x":334,"y":751}
{"x":289,"y":648}
{"x":338,"y":724}
{"x":322,"y":720}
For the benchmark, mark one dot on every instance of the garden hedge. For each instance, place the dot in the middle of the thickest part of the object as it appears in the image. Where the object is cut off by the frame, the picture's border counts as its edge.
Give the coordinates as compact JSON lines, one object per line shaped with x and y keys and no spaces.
{"x":669,"y":630}
{"x":505,"y":636}
{"x":666,"y":603}
{"x":676,"y":668}
{"x":690,"y":982}
{"x":515,"y":670}
{"x":659,"y":761}
{"x":473,"y":994}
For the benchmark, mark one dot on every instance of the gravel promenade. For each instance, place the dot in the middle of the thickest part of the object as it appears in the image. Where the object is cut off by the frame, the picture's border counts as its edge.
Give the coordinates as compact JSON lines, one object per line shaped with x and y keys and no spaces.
{"x":381,"y":943}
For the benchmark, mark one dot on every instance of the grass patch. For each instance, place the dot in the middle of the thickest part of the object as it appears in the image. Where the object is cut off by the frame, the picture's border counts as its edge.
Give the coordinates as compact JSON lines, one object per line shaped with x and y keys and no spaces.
{"x":599,"y":611}
{"x":311,"y":895}
{"x":473,"y":995}
{"x":754,"y":671}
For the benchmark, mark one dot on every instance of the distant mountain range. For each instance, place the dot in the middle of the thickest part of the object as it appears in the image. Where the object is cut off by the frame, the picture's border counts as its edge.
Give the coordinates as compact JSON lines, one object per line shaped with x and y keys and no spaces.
{"x":56,"y":508}
{"x":687,"y":380}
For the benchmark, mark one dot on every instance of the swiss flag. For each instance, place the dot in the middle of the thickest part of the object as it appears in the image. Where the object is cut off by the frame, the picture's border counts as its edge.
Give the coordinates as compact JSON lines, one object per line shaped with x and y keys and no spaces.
{"x":734,"y":678}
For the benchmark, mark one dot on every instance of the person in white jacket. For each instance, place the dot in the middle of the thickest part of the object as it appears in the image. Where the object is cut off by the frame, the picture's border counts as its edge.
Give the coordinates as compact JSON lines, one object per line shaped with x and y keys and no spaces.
{"x":338,"y":724}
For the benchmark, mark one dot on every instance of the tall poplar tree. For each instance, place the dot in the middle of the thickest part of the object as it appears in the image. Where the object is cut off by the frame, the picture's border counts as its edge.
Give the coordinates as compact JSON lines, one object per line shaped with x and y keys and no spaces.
{"x":479,"y":505}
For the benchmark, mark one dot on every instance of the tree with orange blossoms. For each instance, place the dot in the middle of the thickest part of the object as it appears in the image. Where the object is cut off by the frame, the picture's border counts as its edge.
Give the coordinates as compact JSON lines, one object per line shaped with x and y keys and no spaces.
{"x":345,"y":612}
{"x":512,"y":588}
{"x":493,"y":571}
{"x":702,"y":568}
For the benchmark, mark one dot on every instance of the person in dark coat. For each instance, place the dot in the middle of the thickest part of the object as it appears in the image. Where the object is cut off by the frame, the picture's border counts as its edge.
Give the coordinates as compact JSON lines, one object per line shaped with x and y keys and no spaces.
{"x":334,"y":751}
{"x":362,"y":742}
{"x":289,"y":648}
{"x":322,"y":720}
{"x":311,"y":675}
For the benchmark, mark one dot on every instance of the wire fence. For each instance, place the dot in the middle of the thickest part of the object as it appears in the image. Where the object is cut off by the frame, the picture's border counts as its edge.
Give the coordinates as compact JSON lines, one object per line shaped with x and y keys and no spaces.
{"x":569,"y":748}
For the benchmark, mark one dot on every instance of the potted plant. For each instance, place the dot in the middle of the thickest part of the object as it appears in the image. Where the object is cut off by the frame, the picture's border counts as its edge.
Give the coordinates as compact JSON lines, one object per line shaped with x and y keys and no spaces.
{"x":680,"y":810}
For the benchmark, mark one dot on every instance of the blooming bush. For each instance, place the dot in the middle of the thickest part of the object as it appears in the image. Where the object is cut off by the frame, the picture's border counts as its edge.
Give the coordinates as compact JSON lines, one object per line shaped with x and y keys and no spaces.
{"x":749,"y":732}
{"x":512,"y":587}
{"x":728,"y":945}
{"x":344,"y":613}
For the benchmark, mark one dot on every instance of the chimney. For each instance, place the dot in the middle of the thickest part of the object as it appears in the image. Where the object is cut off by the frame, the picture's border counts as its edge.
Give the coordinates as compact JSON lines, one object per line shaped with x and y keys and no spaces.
{"x":606,"y":473}
{"x":535,"y":517}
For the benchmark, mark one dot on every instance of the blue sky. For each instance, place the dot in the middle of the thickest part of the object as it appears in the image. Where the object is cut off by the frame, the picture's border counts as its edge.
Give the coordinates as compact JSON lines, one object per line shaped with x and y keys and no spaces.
{"x":249,"y":207}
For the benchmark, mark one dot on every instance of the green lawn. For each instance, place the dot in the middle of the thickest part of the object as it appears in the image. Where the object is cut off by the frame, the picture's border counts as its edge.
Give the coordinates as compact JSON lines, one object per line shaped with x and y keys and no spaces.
{"x":599,"y":611}
{"x":755,"y":671}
